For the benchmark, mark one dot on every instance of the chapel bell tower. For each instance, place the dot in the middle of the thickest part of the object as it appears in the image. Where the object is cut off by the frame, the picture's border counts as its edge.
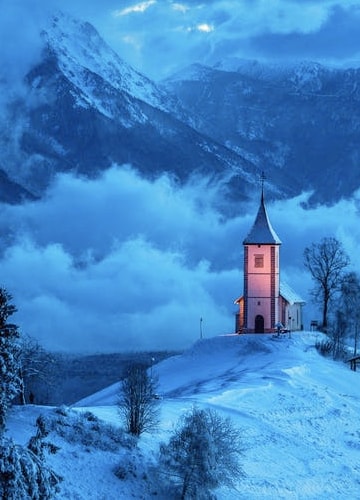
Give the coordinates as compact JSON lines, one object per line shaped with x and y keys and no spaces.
{"x":259,"y":306}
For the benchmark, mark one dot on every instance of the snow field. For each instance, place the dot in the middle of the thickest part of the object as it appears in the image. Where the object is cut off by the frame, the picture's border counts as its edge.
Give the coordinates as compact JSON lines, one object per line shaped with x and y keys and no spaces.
{"x":298,"y":413}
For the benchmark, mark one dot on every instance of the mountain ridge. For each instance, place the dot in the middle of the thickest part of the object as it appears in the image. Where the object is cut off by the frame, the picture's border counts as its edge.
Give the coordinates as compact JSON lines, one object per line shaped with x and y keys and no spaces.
{"x":85,"y":109}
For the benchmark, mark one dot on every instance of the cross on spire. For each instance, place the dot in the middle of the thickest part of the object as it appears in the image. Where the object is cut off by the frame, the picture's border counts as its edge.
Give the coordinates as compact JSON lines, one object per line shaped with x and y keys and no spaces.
{"x":262,"y":179}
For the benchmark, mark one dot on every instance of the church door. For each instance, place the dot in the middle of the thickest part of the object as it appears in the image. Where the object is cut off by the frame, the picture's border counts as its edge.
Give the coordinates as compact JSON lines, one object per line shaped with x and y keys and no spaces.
{"x":259,"y":324}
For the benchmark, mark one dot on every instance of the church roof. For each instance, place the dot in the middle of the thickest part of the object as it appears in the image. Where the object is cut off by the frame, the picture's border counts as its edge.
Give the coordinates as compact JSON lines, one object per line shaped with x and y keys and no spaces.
{"x":289,"y":295}
{"x":262,"y":232}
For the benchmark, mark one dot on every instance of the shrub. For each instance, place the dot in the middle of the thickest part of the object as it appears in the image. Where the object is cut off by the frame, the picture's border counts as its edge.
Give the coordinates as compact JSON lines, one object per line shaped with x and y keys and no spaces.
{"x":202,"y":454}
{"x":87,"y":429}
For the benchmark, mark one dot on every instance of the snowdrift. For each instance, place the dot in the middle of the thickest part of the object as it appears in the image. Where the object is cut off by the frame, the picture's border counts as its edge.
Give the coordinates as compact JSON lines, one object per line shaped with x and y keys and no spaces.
{"x":298,"y":413}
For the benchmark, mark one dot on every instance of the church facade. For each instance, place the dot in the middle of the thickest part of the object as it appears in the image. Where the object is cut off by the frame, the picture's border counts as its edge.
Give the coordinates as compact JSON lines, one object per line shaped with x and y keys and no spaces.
{"x":267,"y":304}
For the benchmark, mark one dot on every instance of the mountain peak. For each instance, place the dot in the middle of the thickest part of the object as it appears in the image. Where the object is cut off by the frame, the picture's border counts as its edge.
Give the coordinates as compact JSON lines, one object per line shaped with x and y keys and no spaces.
{"x":79,"y":47}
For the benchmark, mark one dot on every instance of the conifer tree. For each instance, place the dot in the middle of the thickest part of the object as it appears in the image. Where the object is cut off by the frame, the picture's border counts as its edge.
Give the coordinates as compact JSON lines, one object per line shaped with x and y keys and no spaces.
{"x":9,"y":357}
{"x":23,"y":470}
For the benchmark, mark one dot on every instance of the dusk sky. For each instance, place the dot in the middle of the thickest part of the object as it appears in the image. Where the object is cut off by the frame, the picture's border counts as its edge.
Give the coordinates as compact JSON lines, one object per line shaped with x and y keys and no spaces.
{"x":161,"y":36}
{"x":121,"y":262}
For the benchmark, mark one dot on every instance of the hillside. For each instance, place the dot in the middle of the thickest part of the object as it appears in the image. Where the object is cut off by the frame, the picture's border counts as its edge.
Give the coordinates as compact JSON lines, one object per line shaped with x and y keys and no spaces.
{"x":298,"y":413}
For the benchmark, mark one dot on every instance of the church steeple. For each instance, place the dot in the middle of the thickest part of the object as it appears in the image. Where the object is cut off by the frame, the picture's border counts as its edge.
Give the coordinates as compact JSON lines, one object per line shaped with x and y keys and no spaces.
{"x":262,"y":232}
{"x":259,"y":308}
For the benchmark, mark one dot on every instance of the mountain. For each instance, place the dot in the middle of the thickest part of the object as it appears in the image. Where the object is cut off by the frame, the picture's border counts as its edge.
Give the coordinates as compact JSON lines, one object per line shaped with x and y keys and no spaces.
{"x":84,"y":109}
{"x":299,"y":123}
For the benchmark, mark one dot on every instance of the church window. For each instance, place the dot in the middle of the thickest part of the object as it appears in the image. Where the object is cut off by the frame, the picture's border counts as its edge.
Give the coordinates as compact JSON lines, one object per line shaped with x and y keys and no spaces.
{"x":259,"y":260}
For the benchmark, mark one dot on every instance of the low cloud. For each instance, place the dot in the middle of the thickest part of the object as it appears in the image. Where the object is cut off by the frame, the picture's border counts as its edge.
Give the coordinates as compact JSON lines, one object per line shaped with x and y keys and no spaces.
{"x":121,"y":262}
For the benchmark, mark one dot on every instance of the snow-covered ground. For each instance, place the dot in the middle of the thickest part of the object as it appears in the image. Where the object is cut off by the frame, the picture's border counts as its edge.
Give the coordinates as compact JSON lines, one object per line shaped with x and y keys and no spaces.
{"x":298,"y":413}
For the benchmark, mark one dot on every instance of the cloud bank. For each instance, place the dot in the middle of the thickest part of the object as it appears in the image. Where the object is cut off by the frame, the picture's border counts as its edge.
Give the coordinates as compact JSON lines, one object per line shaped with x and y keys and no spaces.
{"x":123,"y":263}
{"x":159,"y":37}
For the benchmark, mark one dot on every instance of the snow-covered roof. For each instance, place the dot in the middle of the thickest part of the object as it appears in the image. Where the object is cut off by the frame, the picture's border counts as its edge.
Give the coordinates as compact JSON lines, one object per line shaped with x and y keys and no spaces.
{"x":289,"y":295}
{"x":262,"y":231}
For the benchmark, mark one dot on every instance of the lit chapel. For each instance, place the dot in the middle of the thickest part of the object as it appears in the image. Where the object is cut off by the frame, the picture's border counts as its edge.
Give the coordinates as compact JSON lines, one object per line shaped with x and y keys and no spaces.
{"x":267,"y":303}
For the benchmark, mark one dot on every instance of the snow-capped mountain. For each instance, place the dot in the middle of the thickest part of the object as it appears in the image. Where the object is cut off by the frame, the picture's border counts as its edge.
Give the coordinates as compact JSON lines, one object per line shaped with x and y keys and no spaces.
{"x":300,"y":122}
{"x":80,"y":52}
{"x":85,"y":109}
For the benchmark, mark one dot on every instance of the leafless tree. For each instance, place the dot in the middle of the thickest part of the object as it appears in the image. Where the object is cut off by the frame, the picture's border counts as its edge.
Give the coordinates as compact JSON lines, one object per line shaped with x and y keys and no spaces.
{"x":138,"y":401}
{"x":350,"y":305}
{"x":36,"y":366}
{"x":326,"y":262}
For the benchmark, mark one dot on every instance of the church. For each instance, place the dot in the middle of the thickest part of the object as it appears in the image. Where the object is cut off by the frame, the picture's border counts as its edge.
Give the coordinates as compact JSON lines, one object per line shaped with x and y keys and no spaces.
{"x":267,"y":304}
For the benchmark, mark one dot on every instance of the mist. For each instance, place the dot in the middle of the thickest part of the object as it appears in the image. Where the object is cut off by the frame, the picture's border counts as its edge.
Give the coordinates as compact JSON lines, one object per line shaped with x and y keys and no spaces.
{"x":124,"y":263}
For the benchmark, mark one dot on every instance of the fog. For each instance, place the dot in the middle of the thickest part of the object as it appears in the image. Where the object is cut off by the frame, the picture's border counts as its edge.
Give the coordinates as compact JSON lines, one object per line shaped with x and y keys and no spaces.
{"x":123,"y":263}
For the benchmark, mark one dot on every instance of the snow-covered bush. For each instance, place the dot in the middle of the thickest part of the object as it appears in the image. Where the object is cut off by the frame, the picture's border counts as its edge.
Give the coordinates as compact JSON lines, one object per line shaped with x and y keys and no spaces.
{"x":202,"y":454}
{"x":139,"y":468}
{"x":87,"y":429}
{"x":23,"y":470}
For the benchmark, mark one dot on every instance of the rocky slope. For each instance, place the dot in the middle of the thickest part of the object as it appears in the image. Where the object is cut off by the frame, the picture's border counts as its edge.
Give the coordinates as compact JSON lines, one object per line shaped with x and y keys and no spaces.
{"x":84,"y":109}
{"x":299,"y":123}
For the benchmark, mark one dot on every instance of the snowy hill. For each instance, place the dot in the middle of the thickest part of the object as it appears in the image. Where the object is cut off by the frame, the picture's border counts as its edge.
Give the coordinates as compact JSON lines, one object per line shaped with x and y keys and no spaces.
{"x":297,"y":411}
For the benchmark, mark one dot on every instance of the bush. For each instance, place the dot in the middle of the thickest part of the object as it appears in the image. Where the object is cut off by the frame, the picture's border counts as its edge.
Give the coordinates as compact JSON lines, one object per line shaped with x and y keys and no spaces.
{"x":87,"y":429}
{"x":325,"y":347}
{"x":202,"y":454}
{"x":23,"y":471}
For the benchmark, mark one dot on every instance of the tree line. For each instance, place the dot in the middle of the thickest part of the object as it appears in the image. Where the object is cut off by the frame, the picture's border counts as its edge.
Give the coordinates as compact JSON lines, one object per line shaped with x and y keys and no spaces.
{"x":336,"y":291}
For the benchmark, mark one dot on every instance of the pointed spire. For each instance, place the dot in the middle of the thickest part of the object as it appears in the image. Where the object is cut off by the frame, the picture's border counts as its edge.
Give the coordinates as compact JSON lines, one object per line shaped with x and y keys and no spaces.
{"x":262,"y":232}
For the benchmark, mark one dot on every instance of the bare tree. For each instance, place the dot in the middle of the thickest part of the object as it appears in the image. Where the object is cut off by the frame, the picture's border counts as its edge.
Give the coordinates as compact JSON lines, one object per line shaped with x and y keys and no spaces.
{"x":36,"y":366}
{"x":202,"y":454}
{"x":138,"y":401}
{"x":350,"y":305}
{"x":326,"y":262}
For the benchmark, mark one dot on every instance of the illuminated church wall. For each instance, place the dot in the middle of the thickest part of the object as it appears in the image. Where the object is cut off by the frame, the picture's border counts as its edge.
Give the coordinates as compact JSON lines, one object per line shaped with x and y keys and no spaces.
{"x":265,"y":302}
{"x":261,"y":270}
